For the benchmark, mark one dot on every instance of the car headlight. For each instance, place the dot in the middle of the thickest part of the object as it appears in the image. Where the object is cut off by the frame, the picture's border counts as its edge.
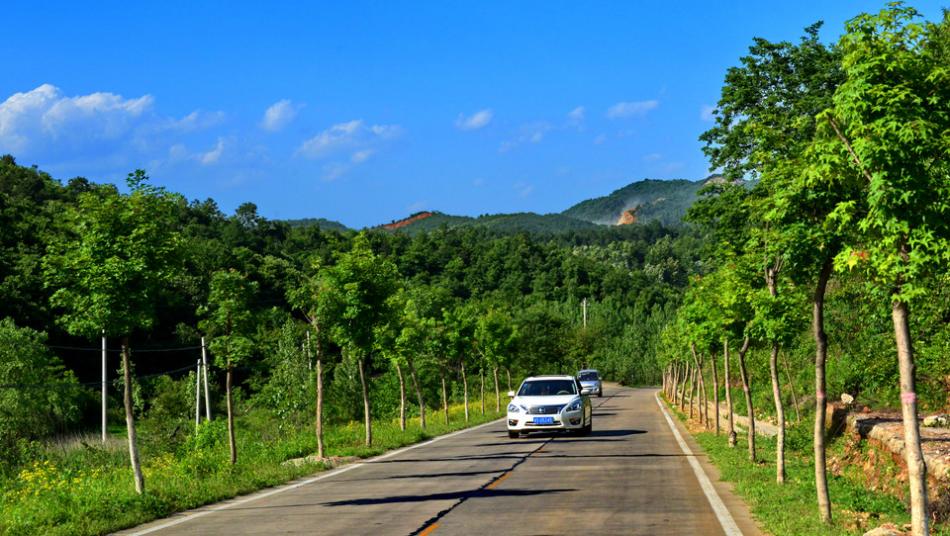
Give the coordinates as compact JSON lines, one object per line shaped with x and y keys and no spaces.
{"x":514,"y":408}
{"x":575,"y":405}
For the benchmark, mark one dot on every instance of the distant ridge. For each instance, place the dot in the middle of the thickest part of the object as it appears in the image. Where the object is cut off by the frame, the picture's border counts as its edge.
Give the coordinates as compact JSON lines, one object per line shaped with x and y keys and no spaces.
{"x":322,"y":223}
{"x":646,"y":200}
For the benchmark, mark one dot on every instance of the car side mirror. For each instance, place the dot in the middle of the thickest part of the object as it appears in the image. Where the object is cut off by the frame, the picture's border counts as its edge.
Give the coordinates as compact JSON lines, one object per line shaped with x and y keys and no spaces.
{"x":585,"y":392}
{"x":511,"y":394}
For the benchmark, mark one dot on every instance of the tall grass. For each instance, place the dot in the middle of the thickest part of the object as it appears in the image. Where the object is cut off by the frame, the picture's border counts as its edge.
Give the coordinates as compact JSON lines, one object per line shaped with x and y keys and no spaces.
{"x":78,"y":486}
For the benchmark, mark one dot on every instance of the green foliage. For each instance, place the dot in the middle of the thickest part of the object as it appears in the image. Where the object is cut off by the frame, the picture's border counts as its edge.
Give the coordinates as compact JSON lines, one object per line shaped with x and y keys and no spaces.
{"x":37,"y":397}
{"x":117,"y":254}
{"x":228,"y":316}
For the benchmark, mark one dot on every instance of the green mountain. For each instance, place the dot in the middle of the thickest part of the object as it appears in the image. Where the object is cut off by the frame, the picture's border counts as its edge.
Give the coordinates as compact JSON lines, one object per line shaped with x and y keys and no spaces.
{"x":641,"y":201}
{"x":528,"y":222}
{"x":647,"y":200}
{"x":322,"y":223}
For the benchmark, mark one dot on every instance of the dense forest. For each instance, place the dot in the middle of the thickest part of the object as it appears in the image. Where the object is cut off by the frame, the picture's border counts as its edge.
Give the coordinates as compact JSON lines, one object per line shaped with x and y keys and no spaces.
{"x":817,"y":266}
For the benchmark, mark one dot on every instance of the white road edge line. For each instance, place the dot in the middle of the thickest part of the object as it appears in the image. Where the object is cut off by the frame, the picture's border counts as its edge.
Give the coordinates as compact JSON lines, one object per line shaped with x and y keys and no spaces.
{"x":288,"y":487}
{"x":719,"y":508}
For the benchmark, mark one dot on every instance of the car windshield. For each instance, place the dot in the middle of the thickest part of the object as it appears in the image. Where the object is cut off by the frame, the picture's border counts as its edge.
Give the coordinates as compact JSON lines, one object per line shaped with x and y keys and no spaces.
{"x":588,"y":377}
{"x":548,"y":388}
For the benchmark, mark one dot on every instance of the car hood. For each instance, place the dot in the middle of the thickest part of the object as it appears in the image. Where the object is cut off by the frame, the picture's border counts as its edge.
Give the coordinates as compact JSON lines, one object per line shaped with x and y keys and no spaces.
{"x":589,"y":382}
{"x":543,"y":400}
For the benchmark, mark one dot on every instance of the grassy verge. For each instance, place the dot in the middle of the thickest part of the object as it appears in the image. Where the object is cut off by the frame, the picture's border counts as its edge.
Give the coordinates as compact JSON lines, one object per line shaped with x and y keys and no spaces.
{"x":87,"y":488}
{"x":791,"y":509}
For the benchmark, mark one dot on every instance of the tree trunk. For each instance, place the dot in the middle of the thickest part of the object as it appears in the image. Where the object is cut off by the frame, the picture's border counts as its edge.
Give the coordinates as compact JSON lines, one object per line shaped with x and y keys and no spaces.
{"x":368,"y":425}
{"x":715,"y":373}
{"x":791,"y":385}
{"x":445,"y":400}
{"x":676,"y":383}
{"x":481,"y":374}
{"x":821,"y":354}
{"x":692,"y":392}
{"x":731,"y":421}
{"x":916,"y":468}
{"x":771,"y":276}
{"x":464,"y":389}
{"x":687,"y":382}
{"x":508,"y":373}
{"x":402,"y":397}
{"x":497,"y":392}
{"x":130,"y":419}
{"x":779,"y":415}
{"x":422,"y":404}
{"x":700,"y":389}
{"x":319,"y":379}
{"x":232,"y":443}
{"x":748,"y":398}
{"x":703,"y":399}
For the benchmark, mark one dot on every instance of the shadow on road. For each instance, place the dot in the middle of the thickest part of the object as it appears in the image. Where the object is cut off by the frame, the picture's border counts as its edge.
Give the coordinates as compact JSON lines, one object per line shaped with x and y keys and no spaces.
{"x":455,"y":495}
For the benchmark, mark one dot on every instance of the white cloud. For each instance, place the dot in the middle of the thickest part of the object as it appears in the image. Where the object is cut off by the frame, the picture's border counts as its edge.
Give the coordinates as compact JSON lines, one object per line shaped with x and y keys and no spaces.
{"x":212,"y":156}
{"x":652,"y":157}
{"x":352,"y":135}
{"x":523,"y":189}
{"x":707,"y":112}
{"x":196,"y":120}
{"x":601,"y":138}
{"x":475,"y":121}
{"x":576,"y":116}
{"x":44,"y":116}
{"x":530,"y":133}
{"x":347,"y":145}
{"x":478,"y":182}
{"x":623,"y":110}
{"x":279,"y":115}
{"x":341,"y":135}
{"x":361,"y":156}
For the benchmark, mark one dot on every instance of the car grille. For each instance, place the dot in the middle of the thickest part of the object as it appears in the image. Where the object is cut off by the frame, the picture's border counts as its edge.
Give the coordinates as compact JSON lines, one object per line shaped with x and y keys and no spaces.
{"x":545,"y":410}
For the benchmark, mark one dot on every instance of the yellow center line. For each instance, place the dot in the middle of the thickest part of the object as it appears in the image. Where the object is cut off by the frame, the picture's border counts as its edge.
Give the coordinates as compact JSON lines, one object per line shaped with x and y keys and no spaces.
{"x":429,"y":530}
{"x":496,"y":482}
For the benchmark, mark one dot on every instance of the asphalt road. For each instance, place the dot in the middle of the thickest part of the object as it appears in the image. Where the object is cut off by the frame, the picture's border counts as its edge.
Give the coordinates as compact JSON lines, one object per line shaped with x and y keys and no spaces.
{"x":630,"y":476}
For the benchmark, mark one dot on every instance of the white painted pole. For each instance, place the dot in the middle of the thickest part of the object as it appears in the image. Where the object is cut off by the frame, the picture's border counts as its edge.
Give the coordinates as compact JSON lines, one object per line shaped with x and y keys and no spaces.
{"x":197,"y":396}
{"x":204,"y":368}
{"x":309,"y":357}
{"x":104,"y":386}
{"x":585,"y":312}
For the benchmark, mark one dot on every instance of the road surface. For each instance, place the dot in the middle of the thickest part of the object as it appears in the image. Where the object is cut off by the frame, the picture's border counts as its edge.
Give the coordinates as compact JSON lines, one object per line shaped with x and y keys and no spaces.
{"x":630,"y":476}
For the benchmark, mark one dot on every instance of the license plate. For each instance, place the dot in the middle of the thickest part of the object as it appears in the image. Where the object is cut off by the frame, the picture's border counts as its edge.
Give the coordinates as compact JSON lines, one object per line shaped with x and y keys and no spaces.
{"x":544,"y":420}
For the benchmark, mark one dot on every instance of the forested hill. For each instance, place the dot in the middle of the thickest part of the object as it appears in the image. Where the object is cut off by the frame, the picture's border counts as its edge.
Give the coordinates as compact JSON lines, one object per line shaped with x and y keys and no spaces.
{"x":519,"y":222}
{"x":647,"y":200}
{"x":664,"y":200}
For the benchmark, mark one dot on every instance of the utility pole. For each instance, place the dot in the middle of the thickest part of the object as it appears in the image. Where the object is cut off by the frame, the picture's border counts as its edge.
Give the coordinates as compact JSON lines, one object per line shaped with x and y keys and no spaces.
{"x":197,"y":396}
{"x":204,"y":367}
{"x":104,"y":391}
{"x":584,"y":305}
{"x":309,"y":357}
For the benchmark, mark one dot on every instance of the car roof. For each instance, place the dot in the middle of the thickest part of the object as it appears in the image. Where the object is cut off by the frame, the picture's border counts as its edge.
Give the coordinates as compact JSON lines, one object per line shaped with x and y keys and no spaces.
{"x":587,"y":370}
{"x":549,"y":377}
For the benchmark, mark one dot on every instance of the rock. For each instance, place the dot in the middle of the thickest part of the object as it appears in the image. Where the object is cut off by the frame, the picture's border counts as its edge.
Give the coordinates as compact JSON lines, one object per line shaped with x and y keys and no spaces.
{"x":887,"y":529}
{"x":937,"y":421}
{"x":847,"y":399}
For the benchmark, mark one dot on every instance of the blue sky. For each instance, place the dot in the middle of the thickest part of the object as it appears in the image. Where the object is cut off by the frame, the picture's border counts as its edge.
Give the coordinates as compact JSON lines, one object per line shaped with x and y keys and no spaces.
{"x":363,"y":112}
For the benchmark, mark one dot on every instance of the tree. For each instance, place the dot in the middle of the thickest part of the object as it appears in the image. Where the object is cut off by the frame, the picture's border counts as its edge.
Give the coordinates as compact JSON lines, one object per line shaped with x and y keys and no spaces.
{"x":45,"y":395}
{"x":228,"y":323}
{"x":305,"y":295}
{"x":889,"y":127}
{"x":356,"y":301}
{"x":494,"y":335}
{"x":460,"y":333}
{"x":765,"y":123}
{"x":115,"y":258}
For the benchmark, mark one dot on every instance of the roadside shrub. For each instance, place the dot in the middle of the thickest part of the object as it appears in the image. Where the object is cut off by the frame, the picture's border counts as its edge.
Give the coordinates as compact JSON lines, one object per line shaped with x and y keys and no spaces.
{"x":40,"y":396}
